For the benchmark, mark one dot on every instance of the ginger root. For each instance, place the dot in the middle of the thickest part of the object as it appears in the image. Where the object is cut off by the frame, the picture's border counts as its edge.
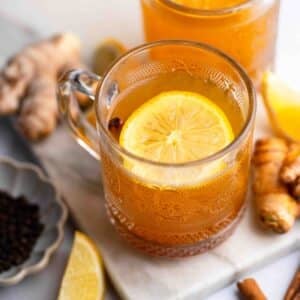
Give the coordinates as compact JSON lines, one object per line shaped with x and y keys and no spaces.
{"x":293,"y":291}
{"x":277,"y":210}
{"x":290,"y":173}
{"x":39,"y":112}
{"x":28,"y":83}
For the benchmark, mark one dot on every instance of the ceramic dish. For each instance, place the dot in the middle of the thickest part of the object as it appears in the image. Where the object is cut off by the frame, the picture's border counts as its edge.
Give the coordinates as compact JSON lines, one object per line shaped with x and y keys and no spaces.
{"x":26,"y":179}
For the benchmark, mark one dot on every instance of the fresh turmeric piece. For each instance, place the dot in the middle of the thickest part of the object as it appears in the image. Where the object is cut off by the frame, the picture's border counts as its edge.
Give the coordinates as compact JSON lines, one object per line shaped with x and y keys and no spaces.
{"x":290,"y":173}
{"x":277,"y":210}
{"x":28,"y":83}
{"x":296,"y":188}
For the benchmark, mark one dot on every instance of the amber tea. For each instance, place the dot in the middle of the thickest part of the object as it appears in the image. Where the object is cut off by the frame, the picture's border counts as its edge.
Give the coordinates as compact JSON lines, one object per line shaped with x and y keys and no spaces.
{"x":174,"y":123}
{"x":160,"y":208}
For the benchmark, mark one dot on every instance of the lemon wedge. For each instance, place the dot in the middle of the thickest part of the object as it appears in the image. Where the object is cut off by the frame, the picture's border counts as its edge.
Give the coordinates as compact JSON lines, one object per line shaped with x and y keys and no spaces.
{"x":105,"y":54}
{"x":83,"y":278}
{"x":175,"y":127}
{"x":283,"y":106}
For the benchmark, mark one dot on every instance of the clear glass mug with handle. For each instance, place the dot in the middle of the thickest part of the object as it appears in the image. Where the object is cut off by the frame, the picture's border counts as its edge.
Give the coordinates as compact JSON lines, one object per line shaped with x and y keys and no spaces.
{"x":164,"y":209}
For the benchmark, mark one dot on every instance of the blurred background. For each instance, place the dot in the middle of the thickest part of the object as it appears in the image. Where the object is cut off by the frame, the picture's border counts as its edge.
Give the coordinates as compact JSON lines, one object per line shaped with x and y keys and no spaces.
{"x":94,"y":20}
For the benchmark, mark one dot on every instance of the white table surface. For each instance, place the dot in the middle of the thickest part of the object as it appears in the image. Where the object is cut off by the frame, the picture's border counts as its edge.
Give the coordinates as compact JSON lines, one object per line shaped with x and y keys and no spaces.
{"x":94,"y":20}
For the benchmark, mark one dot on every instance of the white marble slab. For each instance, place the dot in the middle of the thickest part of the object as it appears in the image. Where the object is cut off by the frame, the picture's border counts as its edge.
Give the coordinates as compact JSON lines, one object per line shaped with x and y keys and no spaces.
{"x":137,"y":276}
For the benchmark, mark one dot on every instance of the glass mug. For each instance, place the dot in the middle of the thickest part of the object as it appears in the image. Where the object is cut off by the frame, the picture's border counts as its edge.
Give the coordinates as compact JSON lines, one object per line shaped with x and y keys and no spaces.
{"x":246,"y":30}
{"x":186,"y":211}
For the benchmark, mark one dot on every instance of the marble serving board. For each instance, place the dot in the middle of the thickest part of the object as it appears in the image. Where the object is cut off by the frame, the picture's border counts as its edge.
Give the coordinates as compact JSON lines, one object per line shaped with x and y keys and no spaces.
{"x":135,"y":276}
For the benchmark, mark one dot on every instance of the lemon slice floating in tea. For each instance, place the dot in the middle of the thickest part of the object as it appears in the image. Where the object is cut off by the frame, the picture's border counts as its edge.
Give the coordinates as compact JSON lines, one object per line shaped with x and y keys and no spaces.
{"x":175,"y":127}
{"x":283,"y":106}
{"x":84,"y":276}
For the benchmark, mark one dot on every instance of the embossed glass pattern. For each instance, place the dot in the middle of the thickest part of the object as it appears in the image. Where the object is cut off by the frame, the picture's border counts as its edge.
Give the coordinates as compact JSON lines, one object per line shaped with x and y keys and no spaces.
{"x":176,"y":217}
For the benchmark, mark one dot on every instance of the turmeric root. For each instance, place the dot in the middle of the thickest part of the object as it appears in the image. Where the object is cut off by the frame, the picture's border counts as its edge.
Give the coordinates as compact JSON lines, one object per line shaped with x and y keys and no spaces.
{"x":28,"y":83}
{"x":277,"y":210}
{"x":290,"y":173}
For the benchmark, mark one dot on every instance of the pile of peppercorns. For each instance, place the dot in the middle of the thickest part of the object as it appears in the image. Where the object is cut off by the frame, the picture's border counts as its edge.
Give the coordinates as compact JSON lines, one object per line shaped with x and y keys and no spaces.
{"x":20,"y":228}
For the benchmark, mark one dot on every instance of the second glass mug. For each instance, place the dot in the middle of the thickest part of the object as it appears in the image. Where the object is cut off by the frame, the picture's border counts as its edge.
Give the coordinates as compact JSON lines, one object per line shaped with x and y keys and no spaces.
{"x":171,"y":218}
{"x":244,"y":29}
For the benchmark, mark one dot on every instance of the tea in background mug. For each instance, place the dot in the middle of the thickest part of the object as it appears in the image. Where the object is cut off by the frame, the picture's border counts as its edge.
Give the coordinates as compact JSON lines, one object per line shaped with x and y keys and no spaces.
{"x":246,"y":30}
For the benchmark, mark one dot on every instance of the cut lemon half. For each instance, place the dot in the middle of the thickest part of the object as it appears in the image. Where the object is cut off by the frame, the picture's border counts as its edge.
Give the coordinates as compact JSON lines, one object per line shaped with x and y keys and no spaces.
{"x":283,"y":106}
{"x":83,"y":278}
{"x":175,"y":127}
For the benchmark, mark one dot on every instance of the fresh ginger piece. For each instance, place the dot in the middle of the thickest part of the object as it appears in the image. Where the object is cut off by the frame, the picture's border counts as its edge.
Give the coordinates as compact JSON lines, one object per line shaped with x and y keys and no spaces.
{"x":276,"y":209}
{"x":291,"y":169}
{"x":39,"y":112}
{"x":296,"y":188}
{"x":28,"y":83}
{"x":290,"y":172}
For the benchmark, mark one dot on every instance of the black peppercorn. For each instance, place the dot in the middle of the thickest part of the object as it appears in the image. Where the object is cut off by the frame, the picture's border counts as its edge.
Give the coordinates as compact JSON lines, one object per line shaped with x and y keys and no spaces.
{"x":115,"y":123}
{"x":20,"y":228}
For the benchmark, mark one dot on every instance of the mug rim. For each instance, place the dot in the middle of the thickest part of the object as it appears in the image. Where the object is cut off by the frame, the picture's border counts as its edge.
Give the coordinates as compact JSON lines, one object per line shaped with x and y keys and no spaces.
{"x":209,"y":12}
{"x":221,"y":153}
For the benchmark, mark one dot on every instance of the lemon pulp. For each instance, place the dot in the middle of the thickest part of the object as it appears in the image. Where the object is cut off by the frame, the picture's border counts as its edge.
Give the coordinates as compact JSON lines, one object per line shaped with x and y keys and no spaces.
{"x":83,"y":278}
{"x":283,"y":106}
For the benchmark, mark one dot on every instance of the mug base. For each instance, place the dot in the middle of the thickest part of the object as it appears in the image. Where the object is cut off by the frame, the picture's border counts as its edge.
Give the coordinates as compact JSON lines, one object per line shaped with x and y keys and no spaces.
{"x":159,"y":250}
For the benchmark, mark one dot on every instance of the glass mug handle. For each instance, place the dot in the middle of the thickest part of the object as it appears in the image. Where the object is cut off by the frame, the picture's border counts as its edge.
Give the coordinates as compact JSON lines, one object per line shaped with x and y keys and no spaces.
{"x":72,"y":85}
